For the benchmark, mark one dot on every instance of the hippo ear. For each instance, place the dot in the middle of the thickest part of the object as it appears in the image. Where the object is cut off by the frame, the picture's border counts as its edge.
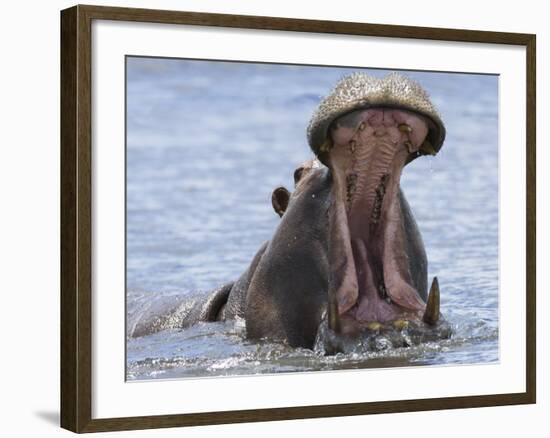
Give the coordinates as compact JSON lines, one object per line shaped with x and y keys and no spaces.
{"x":279,"y":200}
{"x":298,"y":173}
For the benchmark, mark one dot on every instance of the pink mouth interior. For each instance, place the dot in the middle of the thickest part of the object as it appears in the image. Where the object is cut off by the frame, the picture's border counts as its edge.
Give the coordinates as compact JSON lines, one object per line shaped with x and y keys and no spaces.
{"x":371,"y":270}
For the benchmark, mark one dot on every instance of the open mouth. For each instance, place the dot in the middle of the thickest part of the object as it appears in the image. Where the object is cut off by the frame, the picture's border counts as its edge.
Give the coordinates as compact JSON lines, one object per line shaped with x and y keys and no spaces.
{"x":371,"y":280}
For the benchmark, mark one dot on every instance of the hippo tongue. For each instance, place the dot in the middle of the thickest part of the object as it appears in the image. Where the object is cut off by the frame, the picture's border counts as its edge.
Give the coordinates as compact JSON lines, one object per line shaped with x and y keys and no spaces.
{"x":370,"y":278}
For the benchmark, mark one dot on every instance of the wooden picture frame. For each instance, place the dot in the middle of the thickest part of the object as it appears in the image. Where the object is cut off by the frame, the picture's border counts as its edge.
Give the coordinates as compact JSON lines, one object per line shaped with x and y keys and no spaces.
{"x":76,"y":217}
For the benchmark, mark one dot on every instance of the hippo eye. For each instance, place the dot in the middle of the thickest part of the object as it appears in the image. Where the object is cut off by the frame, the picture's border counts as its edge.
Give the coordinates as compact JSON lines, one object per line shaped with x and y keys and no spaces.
{"x":298,"y":174}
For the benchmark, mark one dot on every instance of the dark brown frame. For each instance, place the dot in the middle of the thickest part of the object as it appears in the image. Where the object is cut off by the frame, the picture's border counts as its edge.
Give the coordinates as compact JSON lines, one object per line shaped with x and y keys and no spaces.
{"x":76,"y":218}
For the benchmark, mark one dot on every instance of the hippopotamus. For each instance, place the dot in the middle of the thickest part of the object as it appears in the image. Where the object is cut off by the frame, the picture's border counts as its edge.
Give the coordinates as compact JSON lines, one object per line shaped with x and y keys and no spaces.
{"x":347,"y":260}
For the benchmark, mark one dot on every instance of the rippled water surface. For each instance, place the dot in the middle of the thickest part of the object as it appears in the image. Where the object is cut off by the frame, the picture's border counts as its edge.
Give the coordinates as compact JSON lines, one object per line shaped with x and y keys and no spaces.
{"x":207,"y":142}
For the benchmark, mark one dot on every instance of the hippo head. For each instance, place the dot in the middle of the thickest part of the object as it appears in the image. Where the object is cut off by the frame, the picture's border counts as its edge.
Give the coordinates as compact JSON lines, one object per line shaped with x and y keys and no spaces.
{"x":345,"y":106}
{"x":365,"y":131}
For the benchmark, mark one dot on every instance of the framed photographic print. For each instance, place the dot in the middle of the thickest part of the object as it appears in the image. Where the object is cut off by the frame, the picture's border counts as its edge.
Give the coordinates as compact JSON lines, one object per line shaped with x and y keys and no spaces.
{"x":290,"y":214}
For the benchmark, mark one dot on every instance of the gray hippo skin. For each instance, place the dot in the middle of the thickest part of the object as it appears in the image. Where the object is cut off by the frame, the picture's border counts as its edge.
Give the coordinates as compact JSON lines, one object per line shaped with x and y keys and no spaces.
{"x":347,"y":260}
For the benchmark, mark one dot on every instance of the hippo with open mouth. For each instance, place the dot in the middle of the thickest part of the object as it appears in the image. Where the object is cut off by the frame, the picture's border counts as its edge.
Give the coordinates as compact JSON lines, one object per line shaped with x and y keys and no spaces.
{"x":346,"y":267}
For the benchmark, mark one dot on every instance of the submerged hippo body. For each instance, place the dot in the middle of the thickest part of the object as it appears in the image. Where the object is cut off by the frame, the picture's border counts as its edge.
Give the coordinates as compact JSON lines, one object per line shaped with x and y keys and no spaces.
{"x":347,"y":260}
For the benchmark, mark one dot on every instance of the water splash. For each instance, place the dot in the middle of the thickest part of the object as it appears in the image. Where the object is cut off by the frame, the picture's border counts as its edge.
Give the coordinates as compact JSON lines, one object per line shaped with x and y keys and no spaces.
{"x":221,"y":349}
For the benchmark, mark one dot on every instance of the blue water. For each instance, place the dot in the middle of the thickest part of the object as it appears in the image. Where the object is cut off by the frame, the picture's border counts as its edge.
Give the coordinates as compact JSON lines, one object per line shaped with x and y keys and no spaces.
{"x":207,"y":142}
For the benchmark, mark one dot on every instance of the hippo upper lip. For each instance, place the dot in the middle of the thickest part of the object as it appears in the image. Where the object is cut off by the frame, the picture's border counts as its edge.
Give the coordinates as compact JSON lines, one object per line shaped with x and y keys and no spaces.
{"x":361,"y":91}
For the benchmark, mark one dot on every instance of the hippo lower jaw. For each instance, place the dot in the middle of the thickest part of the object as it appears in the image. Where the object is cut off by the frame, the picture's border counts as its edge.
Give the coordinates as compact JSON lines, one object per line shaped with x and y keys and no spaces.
{"x":376,"y":336}
{"x":371,"y":284}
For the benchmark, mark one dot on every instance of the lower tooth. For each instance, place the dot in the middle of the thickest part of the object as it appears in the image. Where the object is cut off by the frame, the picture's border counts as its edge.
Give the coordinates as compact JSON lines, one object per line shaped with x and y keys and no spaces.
{"x":374,"y":326}
{"x":401,"y":324}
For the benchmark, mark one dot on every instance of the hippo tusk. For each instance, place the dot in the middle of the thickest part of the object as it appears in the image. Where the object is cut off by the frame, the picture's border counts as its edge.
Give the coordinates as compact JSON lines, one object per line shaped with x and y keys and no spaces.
{"x":428,"y":148}
{"x":431,"y":314}
{"x":403,"y":127}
